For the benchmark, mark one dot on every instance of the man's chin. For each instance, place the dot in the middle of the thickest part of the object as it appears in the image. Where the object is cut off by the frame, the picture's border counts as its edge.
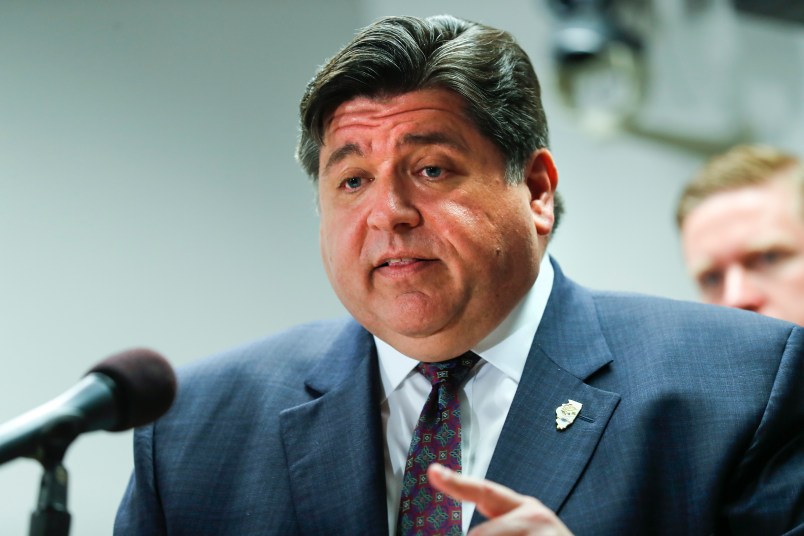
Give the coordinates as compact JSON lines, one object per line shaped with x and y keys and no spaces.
{"x":413,"y":331}
{"x":423,"y":342}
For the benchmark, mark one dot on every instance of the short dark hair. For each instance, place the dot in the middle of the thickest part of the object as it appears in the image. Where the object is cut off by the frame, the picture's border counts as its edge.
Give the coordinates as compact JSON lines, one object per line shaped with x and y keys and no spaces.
{"x":396,"y":55}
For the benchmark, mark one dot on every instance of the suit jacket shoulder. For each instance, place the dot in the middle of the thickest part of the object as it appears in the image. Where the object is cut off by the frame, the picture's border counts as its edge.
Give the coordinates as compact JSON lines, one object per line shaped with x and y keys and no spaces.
{"x":233,"y":454}
{"x":697,"y":411}
{"x":279,"y":362}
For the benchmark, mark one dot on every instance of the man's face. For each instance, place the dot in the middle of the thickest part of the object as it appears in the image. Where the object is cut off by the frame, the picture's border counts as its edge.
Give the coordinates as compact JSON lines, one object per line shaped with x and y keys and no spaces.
{"x":422,"y":239}
{"x":745,"y":248}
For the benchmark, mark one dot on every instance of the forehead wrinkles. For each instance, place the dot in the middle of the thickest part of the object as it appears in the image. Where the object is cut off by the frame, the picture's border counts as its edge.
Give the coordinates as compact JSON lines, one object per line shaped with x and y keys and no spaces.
{"x":362,"y":128}
{"x":377,"y":116}
{"x":373,"y":111}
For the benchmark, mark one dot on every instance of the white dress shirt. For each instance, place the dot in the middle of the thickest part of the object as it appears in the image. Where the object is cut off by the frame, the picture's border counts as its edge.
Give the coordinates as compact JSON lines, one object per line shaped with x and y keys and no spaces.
{"x":485,"y":398}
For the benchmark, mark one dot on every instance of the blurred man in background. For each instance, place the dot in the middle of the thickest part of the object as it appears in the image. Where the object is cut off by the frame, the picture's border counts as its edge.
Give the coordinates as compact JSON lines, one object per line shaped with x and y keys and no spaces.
{"x":742,"y":231}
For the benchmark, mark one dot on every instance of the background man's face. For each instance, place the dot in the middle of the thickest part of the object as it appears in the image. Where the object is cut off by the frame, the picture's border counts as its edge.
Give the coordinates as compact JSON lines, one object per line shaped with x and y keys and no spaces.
{"x":423,"y":240}
{"x":745,"y":249}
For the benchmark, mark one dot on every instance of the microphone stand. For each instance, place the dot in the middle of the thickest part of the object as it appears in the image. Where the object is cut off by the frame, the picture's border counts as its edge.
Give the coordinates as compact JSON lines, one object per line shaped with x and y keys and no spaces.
{"x":51,"y":517}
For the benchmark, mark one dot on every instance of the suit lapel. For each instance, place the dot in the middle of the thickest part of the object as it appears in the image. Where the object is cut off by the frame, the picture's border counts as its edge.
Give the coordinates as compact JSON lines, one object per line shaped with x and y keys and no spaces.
{"x":532,"y":456}
{"x":334,"y":445}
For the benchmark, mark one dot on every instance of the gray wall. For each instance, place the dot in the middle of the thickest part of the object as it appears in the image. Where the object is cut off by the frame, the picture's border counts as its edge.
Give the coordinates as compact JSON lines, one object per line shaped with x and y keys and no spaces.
{"x":149,"y":196}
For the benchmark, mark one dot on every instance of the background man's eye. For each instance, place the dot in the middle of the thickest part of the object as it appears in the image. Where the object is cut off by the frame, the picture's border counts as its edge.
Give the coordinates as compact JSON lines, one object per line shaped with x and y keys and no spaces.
{"x":710,"y":280}
{"x":770,"y":257}
{"x":765,"y":259}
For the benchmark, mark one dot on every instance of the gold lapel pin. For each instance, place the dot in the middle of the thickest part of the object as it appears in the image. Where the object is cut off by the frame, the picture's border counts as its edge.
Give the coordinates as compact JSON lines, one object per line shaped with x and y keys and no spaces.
{"x":566,"y":413}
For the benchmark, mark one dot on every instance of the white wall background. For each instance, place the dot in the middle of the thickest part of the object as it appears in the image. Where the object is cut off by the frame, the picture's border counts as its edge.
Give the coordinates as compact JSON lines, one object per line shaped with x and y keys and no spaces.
{"x":149,"y":196}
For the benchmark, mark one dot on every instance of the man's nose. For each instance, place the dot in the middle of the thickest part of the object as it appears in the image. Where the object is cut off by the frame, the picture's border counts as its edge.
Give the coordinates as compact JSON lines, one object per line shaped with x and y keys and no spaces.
{"x":393,"y":206}
{"x":741,"y":291}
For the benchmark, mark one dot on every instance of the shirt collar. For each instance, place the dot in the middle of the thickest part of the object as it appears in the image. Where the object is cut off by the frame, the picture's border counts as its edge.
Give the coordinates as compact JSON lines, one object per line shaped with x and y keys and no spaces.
{"x":506,"y":347}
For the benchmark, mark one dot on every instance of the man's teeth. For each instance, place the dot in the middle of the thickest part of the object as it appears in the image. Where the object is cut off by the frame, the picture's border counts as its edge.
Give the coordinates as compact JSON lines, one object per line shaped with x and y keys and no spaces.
{"x":399,"y":262}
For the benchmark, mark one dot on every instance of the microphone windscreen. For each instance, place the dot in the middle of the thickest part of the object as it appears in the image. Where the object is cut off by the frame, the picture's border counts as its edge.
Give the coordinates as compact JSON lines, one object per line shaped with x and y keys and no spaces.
{"x":145,"y":386}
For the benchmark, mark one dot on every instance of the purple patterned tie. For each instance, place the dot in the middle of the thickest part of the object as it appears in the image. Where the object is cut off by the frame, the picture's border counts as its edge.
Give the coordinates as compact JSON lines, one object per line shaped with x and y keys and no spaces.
{"x":436,"y":438}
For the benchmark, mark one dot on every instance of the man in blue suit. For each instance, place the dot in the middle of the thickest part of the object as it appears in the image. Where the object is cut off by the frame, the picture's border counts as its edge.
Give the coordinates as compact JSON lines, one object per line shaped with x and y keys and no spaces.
{"x":576,"y":411}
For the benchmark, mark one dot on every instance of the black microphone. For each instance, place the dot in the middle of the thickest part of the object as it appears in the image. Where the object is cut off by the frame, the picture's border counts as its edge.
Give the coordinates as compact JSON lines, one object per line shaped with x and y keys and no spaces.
{"x":125,"y":390}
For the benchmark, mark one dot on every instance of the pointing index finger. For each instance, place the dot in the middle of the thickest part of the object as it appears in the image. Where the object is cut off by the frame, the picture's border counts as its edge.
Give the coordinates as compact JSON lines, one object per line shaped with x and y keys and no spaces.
{"x":491,"y":499}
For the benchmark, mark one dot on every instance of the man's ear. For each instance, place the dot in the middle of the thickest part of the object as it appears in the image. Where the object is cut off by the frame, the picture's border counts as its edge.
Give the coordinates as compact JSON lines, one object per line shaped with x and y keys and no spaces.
{"x":541,"y":178}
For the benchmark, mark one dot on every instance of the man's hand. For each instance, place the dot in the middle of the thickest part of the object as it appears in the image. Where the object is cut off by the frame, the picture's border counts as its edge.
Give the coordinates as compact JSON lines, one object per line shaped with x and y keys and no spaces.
{"x":508,"y":512}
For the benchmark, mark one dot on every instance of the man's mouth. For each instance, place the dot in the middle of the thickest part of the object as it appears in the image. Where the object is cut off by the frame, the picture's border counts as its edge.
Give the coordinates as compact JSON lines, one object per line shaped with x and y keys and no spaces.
{"x":402,"y":266}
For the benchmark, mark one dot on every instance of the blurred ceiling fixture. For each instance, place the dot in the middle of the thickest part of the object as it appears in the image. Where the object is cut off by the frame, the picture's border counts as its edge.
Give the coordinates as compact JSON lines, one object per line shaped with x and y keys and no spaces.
{"x":664,"y":69}
{"x":599,"y":62}
{"x":780,"y":10}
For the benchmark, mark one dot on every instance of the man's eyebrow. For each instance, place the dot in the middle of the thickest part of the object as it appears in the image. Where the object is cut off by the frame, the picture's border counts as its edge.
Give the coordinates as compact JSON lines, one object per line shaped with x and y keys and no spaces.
{"x":342,"y":152}
{"x":433,"y":138}
{"x":700,"y":270}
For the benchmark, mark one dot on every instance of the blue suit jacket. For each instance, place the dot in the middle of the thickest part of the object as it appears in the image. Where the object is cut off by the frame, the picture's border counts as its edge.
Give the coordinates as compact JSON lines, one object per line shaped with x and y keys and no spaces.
{"x":692,"y":423}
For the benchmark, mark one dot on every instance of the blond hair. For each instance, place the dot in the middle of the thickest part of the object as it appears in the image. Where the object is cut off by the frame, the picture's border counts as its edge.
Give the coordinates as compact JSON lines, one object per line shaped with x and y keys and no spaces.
{"x":742,"y":166}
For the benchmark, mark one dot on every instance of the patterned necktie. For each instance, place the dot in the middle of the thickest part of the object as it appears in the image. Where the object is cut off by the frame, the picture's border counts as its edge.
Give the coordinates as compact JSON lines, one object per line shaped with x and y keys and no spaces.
{"x":436,"y":438}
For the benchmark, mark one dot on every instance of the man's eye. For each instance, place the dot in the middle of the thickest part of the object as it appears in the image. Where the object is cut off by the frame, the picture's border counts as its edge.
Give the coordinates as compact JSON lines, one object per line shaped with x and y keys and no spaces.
{"x":432,"y":172}
{"x":352,"y":183}
{"x":765,"y":259}
{"x":770,"y":257}
{"x":710,"y":280}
